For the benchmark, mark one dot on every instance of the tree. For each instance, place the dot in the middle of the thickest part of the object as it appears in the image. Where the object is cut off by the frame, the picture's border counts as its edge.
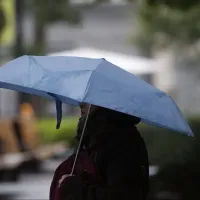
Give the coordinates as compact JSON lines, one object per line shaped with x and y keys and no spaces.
{"x":167,"y":24}
{"x":47,"y":12}
{"x":2,"y":20}
{"x":175,"y":4}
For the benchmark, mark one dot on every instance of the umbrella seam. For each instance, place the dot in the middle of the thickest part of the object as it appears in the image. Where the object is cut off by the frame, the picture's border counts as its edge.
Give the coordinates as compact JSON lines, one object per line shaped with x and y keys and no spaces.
{"x":37,"y":64}
{"x":88,"y":83}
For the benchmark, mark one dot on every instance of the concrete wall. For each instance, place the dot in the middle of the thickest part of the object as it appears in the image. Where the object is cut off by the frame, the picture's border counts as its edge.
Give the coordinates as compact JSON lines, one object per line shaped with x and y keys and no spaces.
{"x":188,"y":90}
{"x":8,"y":103}
{"x":181,"y":81}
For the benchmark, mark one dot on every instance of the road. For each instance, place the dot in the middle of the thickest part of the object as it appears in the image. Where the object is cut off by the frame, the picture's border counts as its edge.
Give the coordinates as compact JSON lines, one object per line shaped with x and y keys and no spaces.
{"x":35,"y":187}
{"x":31,"y":186}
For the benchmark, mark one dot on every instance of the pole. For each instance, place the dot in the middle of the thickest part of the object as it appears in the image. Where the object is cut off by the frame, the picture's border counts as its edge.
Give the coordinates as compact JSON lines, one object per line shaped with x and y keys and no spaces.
{"x":18,"y":50}
{"x":18,"y":47}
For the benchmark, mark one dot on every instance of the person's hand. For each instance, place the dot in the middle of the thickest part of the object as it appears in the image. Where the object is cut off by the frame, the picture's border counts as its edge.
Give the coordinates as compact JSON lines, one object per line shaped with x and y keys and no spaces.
{"x":72,"y":188}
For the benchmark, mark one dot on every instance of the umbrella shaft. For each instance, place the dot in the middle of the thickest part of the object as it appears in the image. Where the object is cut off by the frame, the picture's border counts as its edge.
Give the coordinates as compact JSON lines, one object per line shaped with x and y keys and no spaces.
{"x":79,"y":144}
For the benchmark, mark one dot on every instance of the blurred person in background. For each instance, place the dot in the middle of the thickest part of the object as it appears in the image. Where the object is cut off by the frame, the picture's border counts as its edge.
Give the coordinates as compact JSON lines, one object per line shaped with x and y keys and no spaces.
{"x":118,"y":153}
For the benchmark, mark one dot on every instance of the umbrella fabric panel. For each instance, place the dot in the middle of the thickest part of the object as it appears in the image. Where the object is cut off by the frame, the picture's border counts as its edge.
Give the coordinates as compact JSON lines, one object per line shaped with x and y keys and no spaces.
{"x":127,"y":93}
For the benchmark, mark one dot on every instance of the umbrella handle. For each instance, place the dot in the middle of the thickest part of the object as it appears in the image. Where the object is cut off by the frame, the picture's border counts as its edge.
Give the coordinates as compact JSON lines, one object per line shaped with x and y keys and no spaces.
{"x":79,"y":144}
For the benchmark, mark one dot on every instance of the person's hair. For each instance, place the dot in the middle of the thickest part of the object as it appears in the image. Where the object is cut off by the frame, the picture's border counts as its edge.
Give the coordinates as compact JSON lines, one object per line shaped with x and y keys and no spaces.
{"x":103,"y":117}
{"x":114,"y":117}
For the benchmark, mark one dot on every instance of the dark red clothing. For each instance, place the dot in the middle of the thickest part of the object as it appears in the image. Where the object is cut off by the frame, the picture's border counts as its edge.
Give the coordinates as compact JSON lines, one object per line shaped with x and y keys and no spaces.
{"x":122,"y":161}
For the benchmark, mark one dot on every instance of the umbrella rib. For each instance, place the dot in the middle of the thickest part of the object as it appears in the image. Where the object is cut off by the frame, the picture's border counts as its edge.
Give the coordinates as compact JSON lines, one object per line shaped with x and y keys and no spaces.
{"x":37,"y":64}
{"x":88,"y":83}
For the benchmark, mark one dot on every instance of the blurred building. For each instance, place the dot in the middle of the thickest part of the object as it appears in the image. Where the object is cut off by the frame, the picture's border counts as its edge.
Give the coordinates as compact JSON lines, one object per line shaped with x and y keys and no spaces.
{"x":8,"y":103}
{"x":181,"y":81}
{"x":188,"y":89}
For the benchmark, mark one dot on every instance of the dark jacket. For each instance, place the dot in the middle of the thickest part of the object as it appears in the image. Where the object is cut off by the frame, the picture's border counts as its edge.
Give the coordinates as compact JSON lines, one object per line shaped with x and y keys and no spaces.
{"x":120,"y":157}
{"x":122,"y":161}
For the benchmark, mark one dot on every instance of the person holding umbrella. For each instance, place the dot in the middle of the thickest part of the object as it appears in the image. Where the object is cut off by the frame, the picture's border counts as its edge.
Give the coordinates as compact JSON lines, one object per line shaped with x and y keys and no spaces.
{"x":117,"y":151}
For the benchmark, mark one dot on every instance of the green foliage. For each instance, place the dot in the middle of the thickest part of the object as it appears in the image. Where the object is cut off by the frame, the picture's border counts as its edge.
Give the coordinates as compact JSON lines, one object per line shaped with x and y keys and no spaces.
{"x":176,"y":155}
{"x":47,"y":12}
{"x":51,"y":11}
{"x":176,"y":4}
{"x":2,"y":19}
{"x":36,"y":49}
{"x":181,"y":176}
{"x":160,"y":26}
{"x":49,"y":134}
{"x":178,"y":159}
{"x":164,"y":146}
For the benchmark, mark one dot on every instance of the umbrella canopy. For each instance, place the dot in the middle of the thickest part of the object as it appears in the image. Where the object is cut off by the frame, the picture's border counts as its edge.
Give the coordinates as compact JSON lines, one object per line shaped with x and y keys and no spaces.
{"x":73,"y":80}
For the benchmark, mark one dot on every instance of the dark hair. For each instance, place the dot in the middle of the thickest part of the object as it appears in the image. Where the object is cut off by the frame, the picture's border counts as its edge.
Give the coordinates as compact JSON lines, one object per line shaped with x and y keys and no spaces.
{"x":105,"y":116}
{"x":114,"y":117}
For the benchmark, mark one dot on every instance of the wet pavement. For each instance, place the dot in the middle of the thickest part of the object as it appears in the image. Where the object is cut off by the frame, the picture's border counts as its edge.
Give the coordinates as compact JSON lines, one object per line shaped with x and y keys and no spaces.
{"x":35,"y":186}
{"x":30,"y":186}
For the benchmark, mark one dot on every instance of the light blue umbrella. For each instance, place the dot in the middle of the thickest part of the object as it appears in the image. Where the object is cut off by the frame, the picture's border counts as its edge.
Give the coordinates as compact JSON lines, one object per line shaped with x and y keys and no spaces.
{"x":73,"y":80}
